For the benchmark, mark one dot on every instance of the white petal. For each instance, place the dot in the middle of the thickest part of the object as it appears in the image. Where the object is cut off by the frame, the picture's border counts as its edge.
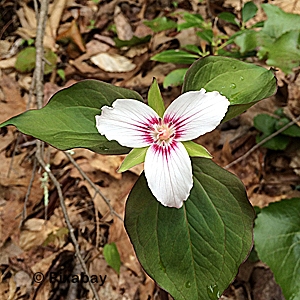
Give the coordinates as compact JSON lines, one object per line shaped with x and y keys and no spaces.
{"x":127,"y":122}
{"x":195,"y":113}
{"x":168,"y":172}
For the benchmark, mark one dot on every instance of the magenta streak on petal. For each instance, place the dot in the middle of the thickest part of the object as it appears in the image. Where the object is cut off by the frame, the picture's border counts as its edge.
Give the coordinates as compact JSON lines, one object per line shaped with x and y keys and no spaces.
{"x":178,"y":123}
{"x":153,"y":121}
{"x":165,"y":150}
{"x":143,"y":125}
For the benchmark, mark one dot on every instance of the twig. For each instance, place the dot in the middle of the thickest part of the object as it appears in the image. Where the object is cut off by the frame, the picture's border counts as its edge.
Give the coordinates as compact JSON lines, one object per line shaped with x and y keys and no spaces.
{"x":39,"y":87}
{"x":262,"y":142}
{"x":24,"y":212}
{"x":93,"y":185}
{"x":39,"y":63}
{"x":13,"y":155}
{"x":67,"y":219}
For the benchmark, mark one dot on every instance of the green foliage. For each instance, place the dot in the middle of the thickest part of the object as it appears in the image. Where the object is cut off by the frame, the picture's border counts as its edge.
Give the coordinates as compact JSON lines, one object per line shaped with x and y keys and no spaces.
{"x":229,"y":17}
{"x":196,"y":150}
{"x":279,"y":45}
{"x":61,"y":73}
{"x":175,"y":56}
{"x":191,"y":20}
{"x":269,"y":124}
{"x":112,"y":256}
{"x":161,"y":24}
{"x":134,"y":41}
{"x":277,"y":242}
{"x":249,"y":10}
{"x":134,"y":157}
{"x":242,"y":83}
{"x":155,"y":100}
{"x":175,"y":77}
{"x":26,"y":60}
{"x":68,"y":120}
{"x":193,"y":252}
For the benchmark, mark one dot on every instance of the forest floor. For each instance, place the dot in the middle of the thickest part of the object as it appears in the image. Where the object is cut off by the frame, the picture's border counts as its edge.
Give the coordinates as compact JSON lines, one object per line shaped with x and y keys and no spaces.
{"x":77,"y":31}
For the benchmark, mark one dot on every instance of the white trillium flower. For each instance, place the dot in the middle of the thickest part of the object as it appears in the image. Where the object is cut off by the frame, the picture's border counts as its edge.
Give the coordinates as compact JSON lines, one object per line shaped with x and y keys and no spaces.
{"x":168,"y":168}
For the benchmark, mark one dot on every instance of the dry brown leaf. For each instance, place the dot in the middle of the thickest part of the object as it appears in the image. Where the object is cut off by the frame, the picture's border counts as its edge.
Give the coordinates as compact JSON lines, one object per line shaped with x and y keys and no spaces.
{"x":74,"y":34}
{"x":113,"y":62}
{"x":4,"y":47}
{"x":124,"y":30}
{"x":9,"y":210}
{"x":9,"y":249}
{"x":262,"y":200}
{"x":159,"y":72}
{"x":82,"y":66}
{"x":98,"y":162}
{"x":188,"y":37}
{"x":23,"y":282}
{"x":55,"y":14}
{"x":295,"y":163}
{"x":147,"y":288}
{"x":12,"y":167}
{"x":44,"y":264}
{"x":136,"y":51}
{"x":94,"y":47}
{"x":14,"y":103}
{"x":28,"y":17}
{"x":118,"y":235}
{"x":292,"y":6}
{"x":160,"y":39}
{"x":34,"y":232}
{"x":8,"y":63}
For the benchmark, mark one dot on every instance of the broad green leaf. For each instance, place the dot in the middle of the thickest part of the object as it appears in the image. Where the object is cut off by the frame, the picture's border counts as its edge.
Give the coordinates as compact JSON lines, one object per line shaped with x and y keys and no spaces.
{"x":248,"y":11}
{"x":264,"y":123}
{"x":242,"y":83}
{"x":68,"y":120}
{"x":175,"y":78}
{"x":160,"y":24}
{"x":277,"y":242}
{"x":229,"y":17}
{"x":279,"y":142}
{"x":155,"y":100}
{"x":26,"y":60}
{"x":193,"y":252}
{"x":267,"y":125}
{"x":192,"y":48}
{"x":175,"y":56}
{"x":247,"y":41}
{"x":134,"y":157}
{"x":192,"y":20}
{"x":207,"y":35}
{"x":134,"y":41}
{"x":287,"y":21}
{"x":293,"y":130}
{"x":195,"y":149}
{"x":284,"y":53}
{"x":112,"y":256}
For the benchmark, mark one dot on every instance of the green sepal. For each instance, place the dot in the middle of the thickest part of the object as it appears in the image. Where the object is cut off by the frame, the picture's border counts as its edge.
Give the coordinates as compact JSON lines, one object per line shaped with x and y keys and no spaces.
{"x":195,"y":149}
{"x":155,"y":100}
{"x":135,"y":156}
